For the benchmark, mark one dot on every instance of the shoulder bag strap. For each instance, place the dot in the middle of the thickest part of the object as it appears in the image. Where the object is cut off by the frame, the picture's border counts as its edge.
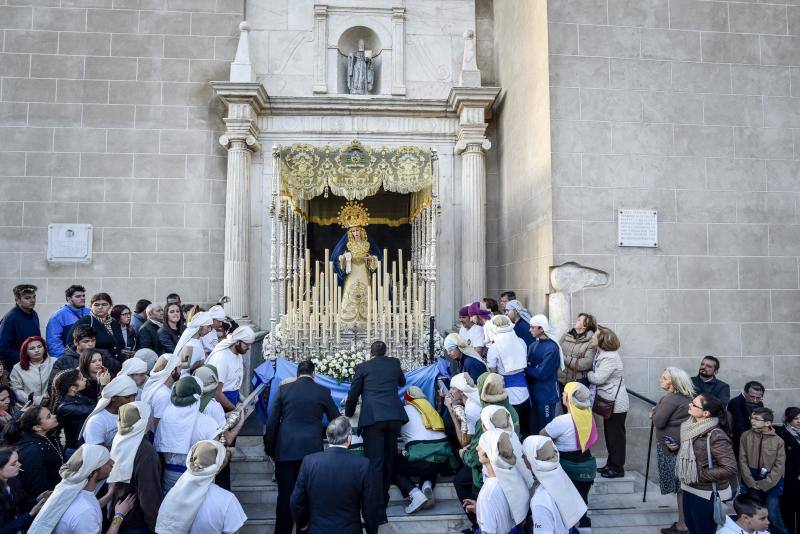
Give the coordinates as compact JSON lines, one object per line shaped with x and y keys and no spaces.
{"x":619,"y":386}
{"x":711,"y":461}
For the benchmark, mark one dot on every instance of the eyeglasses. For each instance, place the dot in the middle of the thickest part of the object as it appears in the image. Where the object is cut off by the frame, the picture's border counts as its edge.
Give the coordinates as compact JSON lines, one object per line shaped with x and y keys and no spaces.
{"x":693,"y":405}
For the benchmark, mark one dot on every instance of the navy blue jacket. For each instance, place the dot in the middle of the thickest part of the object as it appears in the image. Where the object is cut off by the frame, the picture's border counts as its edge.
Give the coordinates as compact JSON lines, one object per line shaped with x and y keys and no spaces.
{"x":544,"y":360}
{"x":334,"y":490}
{"x":471,"y":366}
{"x":523,"y":330}
{"x":15,"y":327}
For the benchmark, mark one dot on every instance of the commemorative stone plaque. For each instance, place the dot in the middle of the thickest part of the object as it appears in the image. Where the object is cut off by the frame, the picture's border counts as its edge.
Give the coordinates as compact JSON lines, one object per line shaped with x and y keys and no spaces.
{"x":637,"y":228}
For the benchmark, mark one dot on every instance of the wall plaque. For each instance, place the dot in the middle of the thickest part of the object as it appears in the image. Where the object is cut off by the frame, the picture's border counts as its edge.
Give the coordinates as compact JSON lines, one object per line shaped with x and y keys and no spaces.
{"x":637,"y":228}
{"x":69,"y":243}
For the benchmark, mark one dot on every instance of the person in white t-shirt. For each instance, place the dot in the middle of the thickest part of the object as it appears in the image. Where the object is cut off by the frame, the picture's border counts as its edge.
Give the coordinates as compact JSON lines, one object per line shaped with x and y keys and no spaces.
{"x":73,"y":508}
{"x":464,"y":406}
{"x":210,"y":384}
{"x":101,"y":425}
{"x":507,"y":356}
{"x":158,"y":387}
{"x":137,"y":370}
{"x":190,"y":345}
{"x":196,"y":505}
{"x":227,"y":360}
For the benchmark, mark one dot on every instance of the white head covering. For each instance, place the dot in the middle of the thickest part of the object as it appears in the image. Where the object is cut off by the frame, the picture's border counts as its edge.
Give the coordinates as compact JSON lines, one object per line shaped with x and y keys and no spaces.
{"x":181,"y":504}
{"x":508,"y":476}
{"x":148,"y":355}
{"x":486,"y":419}
{"x":74,"y":475}
{"x":133,"y":366}
{"x":126,"y":442}
{"x":157,"y":378}
{"x":199,"y":320}
{"x":551,"y":475}
{"x":217,"y":312}
{"x":243,"y":333}
{"x":510,"y":348}
{"x":471,"y":391}
{"x":453,"y":341}
{"x":542,"y":322}
{"x":122,"y":386}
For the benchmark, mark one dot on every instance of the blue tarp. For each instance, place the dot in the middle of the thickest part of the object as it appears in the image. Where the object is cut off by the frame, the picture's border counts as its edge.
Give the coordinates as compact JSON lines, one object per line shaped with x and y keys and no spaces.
{"x":269,"y":371}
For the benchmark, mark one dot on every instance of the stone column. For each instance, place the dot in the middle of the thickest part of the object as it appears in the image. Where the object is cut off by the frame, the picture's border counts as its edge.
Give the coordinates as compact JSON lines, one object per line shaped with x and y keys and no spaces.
{"x":471,"y":103}
{"x":398,"y":51}
{"x":245,"y":101}
{"x":320,"y":48}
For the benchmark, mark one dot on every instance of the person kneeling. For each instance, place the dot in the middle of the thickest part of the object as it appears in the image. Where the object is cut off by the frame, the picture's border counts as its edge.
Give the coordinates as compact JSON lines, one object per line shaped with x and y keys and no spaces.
{"x":426,"y":451}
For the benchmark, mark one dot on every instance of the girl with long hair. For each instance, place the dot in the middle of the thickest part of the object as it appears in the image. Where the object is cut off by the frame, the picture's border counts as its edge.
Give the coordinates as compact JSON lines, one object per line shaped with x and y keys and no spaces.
{"x":92,"y":368}
{"x":123,"y":315}
{"x":39,"y":451}
{"x":31,"y":375}
{"x":170,"y":333}
{"x":71,"y":406}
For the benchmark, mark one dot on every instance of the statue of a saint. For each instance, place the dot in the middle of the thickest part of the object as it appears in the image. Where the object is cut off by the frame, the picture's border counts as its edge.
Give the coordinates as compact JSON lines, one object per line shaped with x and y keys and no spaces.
{"x":353,"y":262}
{"x":359,"y":71}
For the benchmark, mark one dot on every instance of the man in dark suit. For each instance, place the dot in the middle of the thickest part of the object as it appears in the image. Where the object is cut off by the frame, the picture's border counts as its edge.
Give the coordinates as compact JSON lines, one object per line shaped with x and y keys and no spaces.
{"x":294,"y":430}
{"x":335,"y":488}
{"x":382,"y":414}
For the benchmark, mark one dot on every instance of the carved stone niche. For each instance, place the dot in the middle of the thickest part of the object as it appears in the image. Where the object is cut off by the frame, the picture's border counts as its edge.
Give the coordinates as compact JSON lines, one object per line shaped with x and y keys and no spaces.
{"x":337,"y":29}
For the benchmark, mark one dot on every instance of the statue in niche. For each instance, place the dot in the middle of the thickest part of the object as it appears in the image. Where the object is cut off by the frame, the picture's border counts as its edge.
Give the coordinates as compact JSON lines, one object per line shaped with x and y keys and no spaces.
{"x":355,"y":258}
{"x":360,"y":72}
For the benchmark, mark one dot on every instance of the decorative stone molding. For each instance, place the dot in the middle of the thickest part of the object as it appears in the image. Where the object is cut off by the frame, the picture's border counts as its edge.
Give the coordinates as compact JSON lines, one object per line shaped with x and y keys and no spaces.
{"x":320,"y":48}
{"x":470,"y":74}
{"x":398,"y":51}
{"x":244,"y":101}
{"x":242,"y":68}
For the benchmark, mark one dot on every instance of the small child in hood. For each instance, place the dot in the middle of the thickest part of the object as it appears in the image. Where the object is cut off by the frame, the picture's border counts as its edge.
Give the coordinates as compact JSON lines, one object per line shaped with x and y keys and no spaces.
{"x":762,"y":461}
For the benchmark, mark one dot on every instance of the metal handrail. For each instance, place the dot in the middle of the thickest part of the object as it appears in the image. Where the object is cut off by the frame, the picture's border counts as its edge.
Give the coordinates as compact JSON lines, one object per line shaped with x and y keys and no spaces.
{"x":650,"y":445}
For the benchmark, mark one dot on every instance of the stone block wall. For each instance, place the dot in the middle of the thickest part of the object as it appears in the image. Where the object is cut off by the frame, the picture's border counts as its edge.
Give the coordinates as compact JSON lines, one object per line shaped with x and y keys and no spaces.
{"x":106,"y":118}
{"x":690,"y":108}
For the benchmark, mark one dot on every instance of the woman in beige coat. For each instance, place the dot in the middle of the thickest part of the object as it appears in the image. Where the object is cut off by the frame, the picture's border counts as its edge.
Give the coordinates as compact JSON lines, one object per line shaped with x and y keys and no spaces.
{"x":32,"y":372}
{"x":607,"y":376}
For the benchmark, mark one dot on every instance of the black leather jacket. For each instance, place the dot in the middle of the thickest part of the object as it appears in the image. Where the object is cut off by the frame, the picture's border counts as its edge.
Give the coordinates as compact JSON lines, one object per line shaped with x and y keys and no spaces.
{"x":72,"y":412}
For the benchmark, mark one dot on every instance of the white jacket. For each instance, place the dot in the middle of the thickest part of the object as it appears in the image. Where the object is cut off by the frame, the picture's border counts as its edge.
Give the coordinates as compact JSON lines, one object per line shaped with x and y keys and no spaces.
{"x":606,"y":375}
{"x":33,"y":380}
{"x":730,"y":527}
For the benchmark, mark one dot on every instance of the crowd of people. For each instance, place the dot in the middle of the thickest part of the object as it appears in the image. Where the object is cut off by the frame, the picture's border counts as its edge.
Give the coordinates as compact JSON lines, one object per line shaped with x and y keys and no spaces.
{"x":115,"y":421}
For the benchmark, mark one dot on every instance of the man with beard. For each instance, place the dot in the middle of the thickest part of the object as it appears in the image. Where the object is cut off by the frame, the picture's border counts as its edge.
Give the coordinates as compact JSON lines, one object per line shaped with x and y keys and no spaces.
{"x":706,"y":380}
{"x":740,"y":409}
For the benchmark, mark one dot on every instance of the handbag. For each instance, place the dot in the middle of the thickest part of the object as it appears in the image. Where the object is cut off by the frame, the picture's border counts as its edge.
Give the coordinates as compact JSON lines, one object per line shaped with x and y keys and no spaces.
{"x":605,"y":408}
{"x":719,"y":509}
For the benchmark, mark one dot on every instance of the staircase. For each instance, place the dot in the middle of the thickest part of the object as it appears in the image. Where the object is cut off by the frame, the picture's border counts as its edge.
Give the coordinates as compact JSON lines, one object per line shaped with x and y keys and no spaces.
{"x":615,"y":505}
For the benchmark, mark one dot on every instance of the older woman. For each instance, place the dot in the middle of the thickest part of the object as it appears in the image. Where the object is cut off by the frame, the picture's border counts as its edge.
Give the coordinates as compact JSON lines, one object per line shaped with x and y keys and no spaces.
{"x":31,"y":375}
{"x":667,"y":416}
{"x":574,"y":433}
{"x":700,"y":437}
{"x":107,"y":331}
{"x":607,"y":376}
{"x":578,"y":351}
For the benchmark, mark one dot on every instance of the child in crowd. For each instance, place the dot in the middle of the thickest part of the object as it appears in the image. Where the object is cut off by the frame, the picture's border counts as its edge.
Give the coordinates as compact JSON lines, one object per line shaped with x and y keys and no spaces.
{"x":762,"y":461}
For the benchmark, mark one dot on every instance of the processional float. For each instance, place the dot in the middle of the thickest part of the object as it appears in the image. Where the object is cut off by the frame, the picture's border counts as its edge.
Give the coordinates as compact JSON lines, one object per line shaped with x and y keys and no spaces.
{"x":350,"y":297}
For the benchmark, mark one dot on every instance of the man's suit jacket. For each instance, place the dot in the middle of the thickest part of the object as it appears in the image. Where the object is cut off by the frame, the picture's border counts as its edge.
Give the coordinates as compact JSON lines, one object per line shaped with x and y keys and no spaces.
{"x":377,"y":381}
{"x":148,"y":337}
{"x":294,"y":426}
{"x":333,"y":490}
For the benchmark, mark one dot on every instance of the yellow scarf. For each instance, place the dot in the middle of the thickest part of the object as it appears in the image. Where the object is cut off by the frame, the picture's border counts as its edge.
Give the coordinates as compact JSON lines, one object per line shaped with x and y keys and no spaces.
{"x":582,"y":417}
{"x":431,"y":419}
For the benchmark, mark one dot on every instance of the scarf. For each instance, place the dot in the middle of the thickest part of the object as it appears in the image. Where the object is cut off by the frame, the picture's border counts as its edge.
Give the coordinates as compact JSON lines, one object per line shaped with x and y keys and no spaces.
{"x":501,"y":455}
{"x":511,"y":348}
{"x":454,"y":341}
{"x":181,"y":504}
{"x":157,"y":378}
{"x":551,"y":332}
{"x":199,"y":320}
{"x":498,"y":418}
{"x":131,"y":428}
{"x":580,"y":409}
{"x":794,"y":432}
{"x":106,"y":323}
{"x":74,"y":476}
{"x":122,"y":386}
{"x":463,"y":382}
{"x":415,"y":398}
{"x":543,"y":458}
{"x":517,"y":307}
{"x":686,"y":467}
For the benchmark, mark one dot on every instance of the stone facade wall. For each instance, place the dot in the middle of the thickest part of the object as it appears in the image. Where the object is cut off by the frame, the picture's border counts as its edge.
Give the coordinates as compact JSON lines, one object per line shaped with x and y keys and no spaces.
{"x":106,"y":118}
{"x":690,"y":108}
{"x":518,"y":186}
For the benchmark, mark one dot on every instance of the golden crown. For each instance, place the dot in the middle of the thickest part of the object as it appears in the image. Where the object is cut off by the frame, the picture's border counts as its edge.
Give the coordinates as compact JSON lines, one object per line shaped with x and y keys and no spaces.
{"x":353,"y":214}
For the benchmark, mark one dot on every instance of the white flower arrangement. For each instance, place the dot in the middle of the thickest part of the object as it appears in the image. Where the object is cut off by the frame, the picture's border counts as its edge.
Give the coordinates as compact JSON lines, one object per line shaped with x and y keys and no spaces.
{"x":341,"y":365}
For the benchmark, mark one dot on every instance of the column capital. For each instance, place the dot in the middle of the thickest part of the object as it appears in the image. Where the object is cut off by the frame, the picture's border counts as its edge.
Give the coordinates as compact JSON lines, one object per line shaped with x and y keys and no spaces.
{"x":245,"y":102}
{"x":466,"y":98}
{"x":228,"y":139}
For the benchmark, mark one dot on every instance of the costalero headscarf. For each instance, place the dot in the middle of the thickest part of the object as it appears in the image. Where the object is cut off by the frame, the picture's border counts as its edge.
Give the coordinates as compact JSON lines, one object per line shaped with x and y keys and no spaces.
{"x":579,"y":405}
{"x":521,"y":311}
{"x":415,"y":398}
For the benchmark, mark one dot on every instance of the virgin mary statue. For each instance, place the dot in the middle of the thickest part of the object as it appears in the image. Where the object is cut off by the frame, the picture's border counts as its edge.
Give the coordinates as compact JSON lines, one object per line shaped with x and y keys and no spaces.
{"x":355,"y":257}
